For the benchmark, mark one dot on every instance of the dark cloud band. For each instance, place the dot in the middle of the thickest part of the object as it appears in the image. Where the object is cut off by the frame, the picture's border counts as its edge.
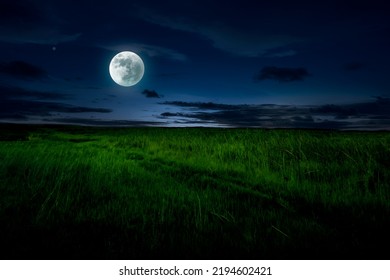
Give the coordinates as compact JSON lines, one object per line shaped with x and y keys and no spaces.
{"x":21,"y":69}
{"x":151,"y":93}
{"x":18,"y":103}
{"x":363,"y":116}
{"x":282,"y":74}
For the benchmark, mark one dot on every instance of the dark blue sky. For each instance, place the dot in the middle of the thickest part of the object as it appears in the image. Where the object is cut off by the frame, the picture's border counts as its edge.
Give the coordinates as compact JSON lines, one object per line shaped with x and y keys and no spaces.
{"x":207,"y":63}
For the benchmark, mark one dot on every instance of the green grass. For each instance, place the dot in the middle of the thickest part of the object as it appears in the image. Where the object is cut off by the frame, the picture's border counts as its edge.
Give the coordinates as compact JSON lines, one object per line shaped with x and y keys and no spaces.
{"x":193,"y":193}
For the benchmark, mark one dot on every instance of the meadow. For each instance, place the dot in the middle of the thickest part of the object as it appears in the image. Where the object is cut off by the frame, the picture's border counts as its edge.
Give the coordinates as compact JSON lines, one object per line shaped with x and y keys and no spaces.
{"x":70,"y":192}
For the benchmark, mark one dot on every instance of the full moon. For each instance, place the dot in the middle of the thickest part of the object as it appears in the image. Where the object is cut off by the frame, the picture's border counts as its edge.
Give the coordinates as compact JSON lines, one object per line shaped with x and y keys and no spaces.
{"x":126,"y":69}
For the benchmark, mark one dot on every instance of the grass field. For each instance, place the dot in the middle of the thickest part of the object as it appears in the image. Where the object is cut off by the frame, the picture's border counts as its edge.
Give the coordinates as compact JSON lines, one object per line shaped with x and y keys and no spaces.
{"x":69,"y":192}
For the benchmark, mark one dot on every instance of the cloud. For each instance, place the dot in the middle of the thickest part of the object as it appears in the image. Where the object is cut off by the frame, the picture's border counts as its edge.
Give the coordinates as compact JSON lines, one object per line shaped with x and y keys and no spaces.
{"x":382,"y":100}
{"x":380,"y":108}
{"x":21,"y":69}
{"x":170,"y":75}
{"x":38,"y":35}
{"x":202,"y":105}
{"x":242,"y":38}
{"x":353,"y":66}
{"x":282,"y":74}
{"x":26,"y":22}
{"x":150,"y":50}
{"x":280,"y":53}
{"x":236,"y":115}
{"x":17,"y":93}
{"x":150,"y":93}
{"x":169,"y":114}
{"x":103,"y":122}
{"x":28,"y":108}
{"x":18,"y":103}
{"x":249,"y":44}
{"x":341,"y":112}
{"x":360,"y":116}
{"x":157,"y":51}
{"x":258,"y":28}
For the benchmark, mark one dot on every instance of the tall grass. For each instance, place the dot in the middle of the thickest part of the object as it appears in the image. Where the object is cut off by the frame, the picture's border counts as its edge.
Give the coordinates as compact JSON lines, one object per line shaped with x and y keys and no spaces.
{"x":76,"y":192}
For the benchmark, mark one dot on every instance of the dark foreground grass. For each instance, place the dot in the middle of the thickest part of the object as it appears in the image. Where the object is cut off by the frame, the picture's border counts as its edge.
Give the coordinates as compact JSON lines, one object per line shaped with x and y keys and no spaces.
{"x":193,"y":193}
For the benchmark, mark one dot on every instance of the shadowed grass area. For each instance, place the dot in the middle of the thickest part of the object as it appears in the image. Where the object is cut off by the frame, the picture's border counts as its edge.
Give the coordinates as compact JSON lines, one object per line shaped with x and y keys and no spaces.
{"x":193,"y":193}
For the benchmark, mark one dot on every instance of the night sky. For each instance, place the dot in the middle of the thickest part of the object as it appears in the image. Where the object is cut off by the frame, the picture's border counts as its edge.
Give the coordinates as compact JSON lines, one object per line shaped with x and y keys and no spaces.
{"x":293,"y":64}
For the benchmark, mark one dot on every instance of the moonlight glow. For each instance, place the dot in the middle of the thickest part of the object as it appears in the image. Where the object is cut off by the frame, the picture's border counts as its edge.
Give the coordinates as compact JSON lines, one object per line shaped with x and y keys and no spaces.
{"x":126,"y":69}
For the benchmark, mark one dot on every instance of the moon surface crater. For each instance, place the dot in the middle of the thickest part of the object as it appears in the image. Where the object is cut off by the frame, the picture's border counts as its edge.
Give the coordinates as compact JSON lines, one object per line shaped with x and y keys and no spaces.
{"x":126,"y":68}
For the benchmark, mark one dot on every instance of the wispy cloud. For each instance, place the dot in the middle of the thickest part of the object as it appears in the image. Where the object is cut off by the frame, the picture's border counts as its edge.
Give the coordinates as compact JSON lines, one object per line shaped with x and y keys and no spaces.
{"x":282,"y":74}
{"x":22,"y":69}
{"x":279,"y":53}
{"x":26,"y":22}
{"x":353,"y":66}
{"x":227,"y":35}
{"x":150,"y":50}
{"x":18,"y":93}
